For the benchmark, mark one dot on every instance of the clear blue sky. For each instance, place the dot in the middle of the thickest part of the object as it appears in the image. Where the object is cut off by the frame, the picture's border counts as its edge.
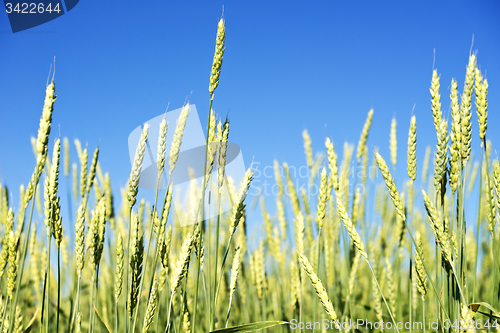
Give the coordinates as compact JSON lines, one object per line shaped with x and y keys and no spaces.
{"x":288,"y":66}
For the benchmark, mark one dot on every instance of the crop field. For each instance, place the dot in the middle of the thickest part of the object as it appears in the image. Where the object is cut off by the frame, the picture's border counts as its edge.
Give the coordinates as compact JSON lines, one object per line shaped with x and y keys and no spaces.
{"x":367,"y":253}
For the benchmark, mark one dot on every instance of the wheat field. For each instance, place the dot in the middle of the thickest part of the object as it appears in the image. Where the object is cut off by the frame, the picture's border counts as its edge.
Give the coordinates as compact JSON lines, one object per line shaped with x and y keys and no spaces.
{"x":386,"y":255}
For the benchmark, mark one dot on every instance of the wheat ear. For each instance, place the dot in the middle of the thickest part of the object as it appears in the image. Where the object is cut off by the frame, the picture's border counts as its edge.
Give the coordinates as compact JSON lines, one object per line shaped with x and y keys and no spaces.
{"x":323,"y":198}
{"x":162,"y":146}
{"x":152,"y":305}
{"x":438,"y":229}
{"x":83,"y":172}
{"x":412,"y":149}
{"x":351,"y":229}
{"x":465,"y":107}
{"x":364,"y":136}
{"x":239,"y":205}
{"x":176,"y":143}
{"x":318,"y":286}
{"x":218,"y":55}
{"x":419,"y":263}
{"x":481,"y":103}
{"x":436,"y":99}
{"x":183,"y":261}
{"x":391,"y":186}
{"x":135,"y":174}
{"x":308,"y":148}
{"x":12,"y":277}
{"x":332,"y":164}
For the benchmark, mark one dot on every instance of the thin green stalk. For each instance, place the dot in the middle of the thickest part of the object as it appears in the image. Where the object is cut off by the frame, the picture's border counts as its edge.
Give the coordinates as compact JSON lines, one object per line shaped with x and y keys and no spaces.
{"x":383,"y":297}
{"x":183,"y":302}
{"x":157,"y":315}
{"x":318,"y":253}
{"x":91,"y":304}
{"x":4,"y":315}
{"x":216,"y":289}
{"x":209,"y":264}
{"x":426,"y":270}
{"x":116,"y":316}
{"x":77,"y":299}
{"x":23,"y":255}
{"x":76,"y":307}
{"x":478,"y":224}
{"x":228,"y":310}
{"x":48,"y":283}
{"x":203,"y":215}
{"x":58,"y":287}
{"x":68,"y":193}
{"x":127,"y":263}
{"x":43,"y":302}
{"x":157,"y":246}
{"x":494,"y":241}
{"x":221,"y":269}
{"x":144,"y":267}
{"x":169,"y":311}
{"x":423,"y":313}
{"x":410,"y":286}
{"x":410,"y":291}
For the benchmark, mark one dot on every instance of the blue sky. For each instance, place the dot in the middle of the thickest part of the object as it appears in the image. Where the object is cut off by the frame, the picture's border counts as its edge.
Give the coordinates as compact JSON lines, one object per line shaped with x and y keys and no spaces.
{"x":288,"y":67}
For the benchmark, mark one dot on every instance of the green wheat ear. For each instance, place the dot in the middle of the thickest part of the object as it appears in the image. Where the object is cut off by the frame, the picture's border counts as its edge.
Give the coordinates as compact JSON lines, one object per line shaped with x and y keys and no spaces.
{"x":323,"y":198}
{"x":481,"y":103}
{"x":412,"y":149}
{"x":364,"y":136}
{"x":151,"y":308}
{"x":135,"y":174}
{"x":465,"y":106}
{"x":351,"y":229}
{"x":218,"y":56}
{"x":391,"y":186}
{"x":119,"y":267}
{"x":419,"y":263}
{"x":318,"y":286}
{"x":436,"y":100}
{"x":180,"y":270}
{"x":13,"y":245}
